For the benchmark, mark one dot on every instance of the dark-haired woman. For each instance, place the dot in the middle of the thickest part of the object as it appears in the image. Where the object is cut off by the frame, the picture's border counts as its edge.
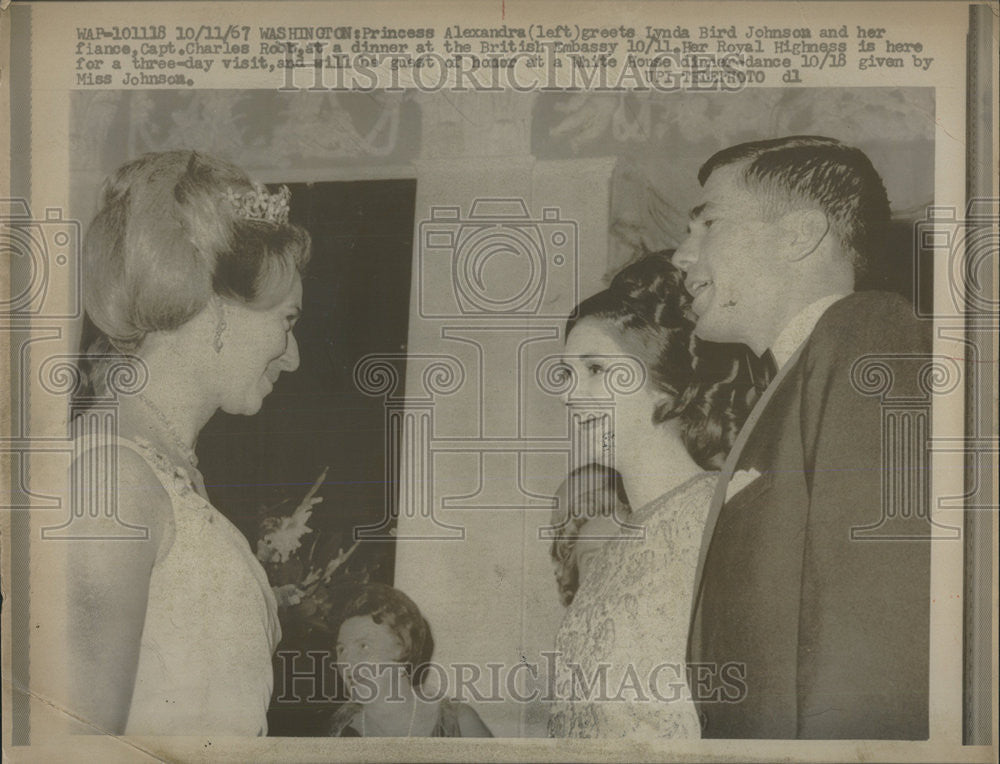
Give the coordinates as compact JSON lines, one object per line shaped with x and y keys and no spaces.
{"x":384,"y":647}
{"x":193,"y":273}
{"x":672,"y":419}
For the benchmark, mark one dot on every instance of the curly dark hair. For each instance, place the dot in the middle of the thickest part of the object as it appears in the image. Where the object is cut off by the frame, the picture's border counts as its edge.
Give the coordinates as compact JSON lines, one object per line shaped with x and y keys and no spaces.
{"x":389,"y":606}
{"x":590,"y":491}
{"x":705,"y":384}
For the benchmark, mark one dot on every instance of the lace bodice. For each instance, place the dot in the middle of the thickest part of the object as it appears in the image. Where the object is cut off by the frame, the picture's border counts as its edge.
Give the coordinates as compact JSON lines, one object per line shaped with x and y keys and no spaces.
{"x":629,"y":621}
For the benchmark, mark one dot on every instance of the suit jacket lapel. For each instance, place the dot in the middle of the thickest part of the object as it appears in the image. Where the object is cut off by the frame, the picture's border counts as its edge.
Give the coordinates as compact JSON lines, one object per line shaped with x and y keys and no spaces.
{"x":721,"y":487}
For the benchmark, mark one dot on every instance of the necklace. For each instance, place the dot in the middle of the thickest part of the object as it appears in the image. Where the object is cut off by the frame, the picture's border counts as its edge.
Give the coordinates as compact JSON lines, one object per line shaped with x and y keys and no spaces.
{"x":409,"y":729}
{"x":182,"y":448}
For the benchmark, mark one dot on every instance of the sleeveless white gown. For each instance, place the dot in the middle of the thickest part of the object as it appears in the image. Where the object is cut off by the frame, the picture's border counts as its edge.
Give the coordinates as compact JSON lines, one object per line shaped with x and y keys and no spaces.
{"x":211,"y":624}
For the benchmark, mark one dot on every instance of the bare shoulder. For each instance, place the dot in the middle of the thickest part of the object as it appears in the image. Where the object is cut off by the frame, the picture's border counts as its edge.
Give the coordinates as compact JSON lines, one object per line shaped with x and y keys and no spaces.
{"x":115,"y":472}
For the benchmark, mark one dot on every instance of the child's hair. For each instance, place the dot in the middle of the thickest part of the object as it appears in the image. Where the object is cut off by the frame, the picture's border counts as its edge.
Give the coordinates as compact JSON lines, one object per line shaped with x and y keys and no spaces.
{"x":389,"y":606}
{"x":590,"y":491}
{"x":168,"y":236}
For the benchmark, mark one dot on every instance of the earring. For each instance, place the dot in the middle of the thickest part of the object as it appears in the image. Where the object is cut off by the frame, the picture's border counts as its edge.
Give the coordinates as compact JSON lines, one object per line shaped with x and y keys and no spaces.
{"x":220,"y":327}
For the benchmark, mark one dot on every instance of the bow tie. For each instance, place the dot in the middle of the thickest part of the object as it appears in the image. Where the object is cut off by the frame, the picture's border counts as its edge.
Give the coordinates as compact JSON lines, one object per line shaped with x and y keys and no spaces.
{"x":762,"y":370}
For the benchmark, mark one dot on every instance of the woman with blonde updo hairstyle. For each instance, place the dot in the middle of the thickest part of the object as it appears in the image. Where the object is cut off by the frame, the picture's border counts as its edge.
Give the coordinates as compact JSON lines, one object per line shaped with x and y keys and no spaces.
{"x":193,"y":273}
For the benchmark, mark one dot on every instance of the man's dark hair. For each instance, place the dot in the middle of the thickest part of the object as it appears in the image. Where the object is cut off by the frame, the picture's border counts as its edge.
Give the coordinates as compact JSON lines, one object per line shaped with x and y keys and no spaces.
{"x":838,"y":179}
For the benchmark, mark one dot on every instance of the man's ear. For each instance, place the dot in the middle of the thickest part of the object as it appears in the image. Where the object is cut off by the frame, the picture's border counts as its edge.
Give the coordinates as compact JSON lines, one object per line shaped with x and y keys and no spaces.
{"x":803,"y":232}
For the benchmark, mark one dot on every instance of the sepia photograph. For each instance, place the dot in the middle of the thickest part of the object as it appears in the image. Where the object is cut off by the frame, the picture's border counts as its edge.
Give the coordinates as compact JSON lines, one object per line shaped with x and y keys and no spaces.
{"x":608,"y":382}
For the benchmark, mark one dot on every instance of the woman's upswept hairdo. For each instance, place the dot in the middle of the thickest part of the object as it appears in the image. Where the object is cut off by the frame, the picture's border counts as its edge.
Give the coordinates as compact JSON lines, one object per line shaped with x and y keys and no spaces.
{"x":389,"y":606}
{"x":703,"y":384}
{"x":166,"y":238}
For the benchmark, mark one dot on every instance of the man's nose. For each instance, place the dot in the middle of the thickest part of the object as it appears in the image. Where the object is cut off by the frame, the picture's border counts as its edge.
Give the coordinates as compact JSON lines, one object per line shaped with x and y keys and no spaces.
{"x":684,"y":256}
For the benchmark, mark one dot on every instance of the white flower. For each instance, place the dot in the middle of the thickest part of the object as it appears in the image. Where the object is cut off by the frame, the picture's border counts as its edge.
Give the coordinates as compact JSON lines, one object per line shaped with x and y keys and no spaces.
{"x":286,"y":534}
{"x":283,"y":536}
{"x":288,"y":595}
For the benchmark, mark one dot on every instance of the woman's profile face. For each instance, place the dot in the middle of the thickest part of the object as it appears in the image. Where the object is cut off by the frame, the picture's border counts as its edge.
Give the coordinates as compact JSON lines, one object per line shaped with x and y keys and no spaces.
{"x":258,"y":345}
{"x":610,"y":421}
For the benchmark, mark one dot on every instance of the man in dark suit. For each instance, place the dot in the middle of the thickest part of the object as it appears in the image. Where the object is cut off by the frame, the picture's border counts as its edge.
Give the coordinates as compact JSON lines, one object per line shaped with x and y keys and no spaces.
{"x":824,"y":623}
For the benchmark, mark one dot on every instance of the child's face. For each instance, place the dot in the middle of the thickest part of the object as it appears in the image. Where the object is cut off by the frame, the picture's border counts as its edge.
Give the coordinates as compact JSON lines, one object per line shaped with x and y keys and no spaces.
{"x":361,"y":640}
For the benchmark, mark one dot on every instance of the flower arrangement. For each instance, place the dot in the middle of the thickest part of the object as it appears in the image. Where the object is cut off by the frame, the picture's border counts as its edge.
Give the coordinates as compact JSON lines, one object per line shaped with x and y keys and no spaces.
{"x":303,"y":565}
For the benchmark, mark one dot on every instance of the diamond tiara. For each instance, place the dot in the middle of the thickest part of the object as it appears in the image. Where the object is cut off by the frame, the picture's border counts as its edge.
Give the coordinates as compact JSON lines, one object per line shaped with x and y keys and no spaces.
{"x":261,"y":205}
